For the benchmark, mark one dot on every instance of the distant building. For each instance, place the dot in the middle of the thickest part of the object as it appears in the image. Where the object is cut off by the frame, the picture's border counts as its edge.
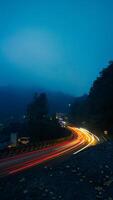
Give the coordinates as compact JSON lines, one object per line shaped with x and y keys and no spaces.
{"x":1,"y":127}
{"x":13,"y":139}
{"x":61,"y":116}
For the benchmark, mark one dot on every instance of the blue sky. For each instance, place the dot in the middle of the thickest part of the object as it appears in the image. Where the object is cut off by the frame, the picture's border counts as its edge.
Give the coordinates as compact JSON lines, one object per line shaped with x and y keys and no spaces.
{"x":59,"y":45}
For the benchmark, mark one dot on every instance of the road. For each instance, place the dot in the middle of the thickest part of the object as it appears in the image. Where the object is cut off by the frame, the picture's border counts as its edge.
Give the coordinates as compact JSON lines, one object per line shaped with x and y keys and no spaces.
{"x":81,"y":140}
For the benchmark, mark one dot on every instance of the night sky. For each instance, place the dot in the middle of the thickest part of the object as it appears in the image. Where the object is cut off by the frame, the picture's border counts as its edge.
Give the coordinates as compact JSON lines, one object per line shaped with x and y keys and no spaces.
{"x":59,"y":45}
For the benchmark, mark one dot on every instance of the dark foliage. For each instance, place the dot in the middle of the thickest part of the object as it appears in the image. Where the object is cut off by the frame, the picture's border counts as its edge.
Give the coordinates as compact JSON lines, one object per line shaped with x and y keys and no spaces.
{"x":101,"y":99}
{"x":13,"y":102}
{"x":97,"y":109}
{"x":78,"y":109}
{"x":40,"y":126}
{"x":38,"y":109}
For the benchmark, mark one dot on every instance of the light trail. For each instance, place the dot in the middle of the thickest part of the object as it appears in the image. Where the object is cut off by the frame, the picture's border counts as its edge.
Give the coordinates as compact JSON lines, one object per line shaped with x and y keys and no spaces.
{"x":81,"y":140}
{"x":91,"y":140}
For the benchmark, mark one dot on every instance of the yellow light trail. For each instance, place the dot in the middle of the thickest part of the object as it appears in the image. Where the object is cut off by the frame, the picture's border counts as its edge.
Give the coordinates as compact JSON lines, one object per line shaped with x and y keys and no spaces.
{"x":81,"y":140}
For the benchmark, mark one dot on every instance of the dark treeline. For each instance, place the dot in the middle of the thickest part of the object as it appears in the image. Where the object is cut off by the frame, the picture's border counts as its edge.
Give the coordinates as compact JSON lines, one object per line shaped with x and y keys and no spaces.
{"x":40,"y":125}
{"x":14,"y":100}
{"x":95,"y":111}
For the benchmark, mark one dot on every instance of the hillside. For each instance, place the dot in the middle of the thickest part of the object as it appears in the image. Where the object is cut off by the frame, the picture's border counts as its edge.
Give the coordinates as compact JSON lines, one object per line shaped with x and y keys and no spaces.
{"x":13,"y":101}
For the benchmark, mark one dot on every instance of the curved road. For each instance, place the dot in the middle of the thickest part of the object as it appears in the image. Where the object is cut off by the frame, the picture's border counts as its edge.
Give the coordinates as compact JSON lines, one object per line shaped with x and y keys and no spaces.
{"x":81,"y":140}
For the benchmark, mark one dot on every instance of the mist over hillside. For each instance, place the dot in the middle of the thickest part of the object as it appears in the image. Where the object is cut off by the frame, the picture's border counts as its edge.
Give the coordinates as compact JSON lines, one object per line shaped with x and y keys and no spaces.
{"x":13,"y":101}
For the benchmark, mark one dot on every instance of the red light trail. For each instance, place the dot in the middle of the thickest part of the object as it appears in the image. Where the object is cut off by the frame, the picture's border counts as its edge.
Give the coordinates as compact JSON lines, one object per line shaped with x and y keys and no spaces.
{"x":81,"y":140}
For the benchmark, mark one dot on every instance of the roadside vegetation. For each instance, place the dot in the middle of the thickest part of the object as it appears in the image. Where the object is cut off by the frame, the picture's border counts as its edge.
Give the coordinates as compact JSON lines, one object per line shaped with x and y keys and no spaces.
{"x":42,"y":128}
{"x":95,"y":110}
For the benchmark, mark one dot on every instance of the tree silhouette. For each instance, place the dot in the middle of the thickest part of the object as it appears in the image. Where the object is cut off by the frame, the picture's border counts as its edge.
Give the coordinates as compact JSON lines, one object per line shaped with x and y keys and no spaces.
{"x":101,"y":98}
{"x":97,"y":109}
{"x":36,"y":115}
{"x":38,"y":109}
